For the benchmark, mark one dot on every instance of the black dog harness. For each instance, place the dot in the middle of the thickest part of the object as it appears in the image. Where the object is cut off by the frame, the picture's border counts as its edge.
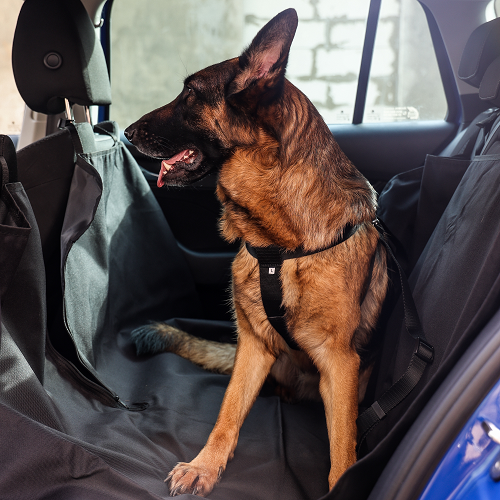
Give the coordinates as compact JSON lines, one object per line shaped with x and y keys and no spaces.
{"x":270,"y":261}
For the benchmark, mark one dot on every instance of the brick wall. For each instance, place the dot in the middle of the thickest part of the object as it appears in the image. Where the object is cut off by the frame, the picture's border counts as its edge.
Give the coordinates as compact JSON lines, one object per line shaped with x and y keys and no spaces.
{"x":155,"y":48}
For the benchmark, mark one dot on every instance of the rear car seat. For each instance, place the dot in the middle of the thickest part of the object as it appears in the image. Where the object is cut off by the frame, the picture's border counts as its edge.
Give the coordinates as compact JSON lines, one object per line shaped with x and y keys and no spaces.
{"x":447,"y":213}
{"x":413,"y":201}
{"x":119,"y":266}
{"x":94,"y":420}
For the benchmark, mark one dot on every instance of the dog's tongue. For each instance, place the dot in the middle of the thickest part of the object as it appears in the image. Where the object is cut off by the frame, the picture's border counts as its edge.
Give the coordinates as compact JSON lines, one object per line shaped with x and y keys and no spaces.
{"x":166,"y":165}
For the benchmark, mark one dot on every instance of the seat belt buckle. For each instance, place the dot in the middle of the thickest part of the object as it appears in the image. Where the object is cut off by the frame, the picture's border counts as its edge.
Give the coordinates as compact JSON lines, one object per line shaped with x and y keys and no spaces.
{"x":424,"y":351}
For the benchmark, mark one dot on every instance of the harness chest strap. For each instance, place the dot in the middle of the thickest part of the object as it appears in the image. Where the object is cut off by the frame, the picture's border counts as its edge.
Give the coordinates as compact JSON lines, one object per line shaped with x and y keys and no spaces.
{"x":270,"y":260}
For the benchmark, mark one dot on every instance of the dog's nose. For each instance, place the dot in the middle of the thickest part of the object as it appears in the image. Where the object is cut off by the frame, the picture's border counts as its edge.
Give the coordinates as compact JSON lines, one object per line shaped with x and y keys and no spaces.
{"x":130,"y":132}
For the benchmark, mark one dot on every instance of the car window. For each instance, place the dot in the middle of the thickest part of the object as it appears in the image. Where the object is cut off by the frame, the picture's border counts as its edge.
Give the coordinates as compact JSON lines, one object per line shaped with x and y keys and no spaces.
{"x":405,"y":82}
{"x":153,"y":49}
{"x":11,"y":117}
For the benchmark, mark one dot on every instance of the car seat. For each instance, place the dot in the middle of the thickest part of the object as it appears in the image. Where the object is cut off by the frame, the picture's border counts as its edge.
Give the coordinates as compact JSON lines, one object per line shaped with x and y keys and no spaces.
{"x":446,"y":214}
{"x":93,"y":419}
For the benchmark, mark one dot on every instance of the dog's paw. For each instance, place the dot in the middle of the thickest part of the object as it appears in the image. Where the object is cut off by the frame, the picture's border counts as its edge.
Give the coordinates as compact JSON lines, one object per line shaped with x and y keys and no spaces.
{"x":194,"y":479}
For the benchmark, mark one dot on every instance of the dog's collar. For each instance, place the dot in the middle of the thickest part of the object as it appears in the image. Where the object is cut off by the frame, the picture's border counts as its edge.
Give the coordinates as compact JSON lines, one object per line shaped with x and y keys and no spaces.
{"x":270,"y":260}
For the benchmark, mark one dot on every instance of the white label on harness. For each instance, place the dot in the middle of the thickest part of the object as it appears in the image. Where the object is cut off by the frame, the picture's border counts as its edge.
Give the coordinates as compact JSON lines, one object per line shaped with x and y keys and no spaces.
{"x":271,"y":270}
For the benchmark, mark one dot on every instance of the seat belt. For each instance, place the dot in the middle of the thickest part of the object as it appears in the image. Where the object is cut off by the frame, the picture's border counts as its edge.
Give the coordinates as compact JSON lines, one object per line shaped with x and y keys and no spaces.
{"x":422,"y":356}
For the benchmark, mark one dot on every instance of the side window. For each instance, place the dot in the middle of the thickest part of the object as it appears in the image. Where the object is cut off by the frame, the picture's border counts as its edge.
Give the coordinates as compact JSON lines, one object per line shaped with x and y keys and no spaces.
{"x":11,"y":117}
{"x":174,"y":39}
{"x":405,"y":83}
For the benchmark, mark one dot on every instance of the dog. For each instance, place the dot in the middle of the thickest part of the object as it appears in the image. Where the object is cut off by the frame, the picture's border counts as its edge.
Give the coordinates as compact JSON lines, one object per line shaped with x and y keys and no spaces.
{"x":282,"y":181}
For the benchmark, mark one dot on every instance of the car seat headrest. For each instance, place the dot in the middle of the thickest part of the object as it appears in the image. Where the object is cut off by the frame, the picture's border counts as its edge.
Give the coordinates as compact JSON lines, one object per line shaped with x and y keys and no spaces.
{"x":489,"y":90}
{"x":56,"y":55}
{"x":482,"y":48}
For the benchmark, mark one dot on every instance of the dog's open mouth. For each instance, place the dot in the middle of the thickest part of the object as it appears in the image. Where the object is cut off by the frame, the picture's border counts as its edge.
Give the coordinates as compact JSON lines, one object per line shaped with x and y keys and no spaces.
{"x":187,"y":159}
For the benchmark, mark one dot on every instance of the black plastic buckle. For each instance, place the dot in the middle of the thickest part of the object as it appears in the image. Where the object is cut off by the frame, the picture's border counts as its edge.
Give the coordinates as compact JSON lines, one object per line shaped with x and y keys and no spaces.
{"x":424,"y":351}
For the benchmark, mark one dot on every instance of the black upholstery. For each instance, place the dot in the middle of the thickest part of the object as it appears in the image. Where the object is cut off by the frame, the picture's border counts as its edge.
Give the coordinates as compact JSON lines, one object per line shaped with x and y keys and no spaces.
{"x":482,"y":48}
{"x":8,"y":151}
{"x":56,"y":55}
{"x":446,"y":216}
{"x":490,"y":83}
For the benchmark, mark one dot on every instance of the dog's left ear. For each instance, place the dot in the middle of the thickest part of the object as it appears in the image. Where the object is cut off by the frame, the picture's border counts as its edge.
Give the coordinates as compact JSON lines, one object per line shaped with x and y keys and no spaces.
{"x":262,"y":65}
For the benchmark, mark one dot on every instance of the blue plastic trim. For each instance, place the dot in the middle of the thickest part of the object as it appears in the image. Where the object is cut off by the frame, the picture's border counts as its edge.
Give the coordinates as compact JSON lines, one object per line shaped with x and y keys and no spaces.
{"x":464,"y":472}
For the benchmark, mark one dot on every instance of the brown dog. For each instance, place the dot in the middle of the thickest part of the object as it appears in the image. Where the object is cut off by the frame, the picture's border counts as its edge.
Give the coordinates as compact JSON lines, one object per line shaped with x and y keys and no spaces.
{"x":283,"y":181}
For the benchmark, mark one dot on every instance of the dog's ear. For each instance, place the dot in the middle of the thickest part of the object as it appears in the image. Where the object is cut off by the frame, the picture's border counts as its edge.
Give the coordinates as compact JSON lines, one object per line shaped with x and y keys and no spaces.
{"x":262,"y":65}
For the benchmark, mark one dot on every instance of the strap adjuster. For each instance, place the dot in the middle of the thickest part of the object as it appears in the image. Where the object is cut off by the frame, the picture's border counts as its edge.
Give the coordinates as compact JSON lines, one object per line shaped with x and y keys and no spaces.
{"x":424,"y":351}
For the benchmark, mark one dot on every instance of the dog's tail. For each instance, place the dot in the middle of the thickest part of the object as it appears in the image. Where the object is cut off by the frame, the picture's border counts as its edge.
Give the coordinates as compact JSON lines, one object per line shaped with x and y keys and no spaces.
{"x":160,"y":337}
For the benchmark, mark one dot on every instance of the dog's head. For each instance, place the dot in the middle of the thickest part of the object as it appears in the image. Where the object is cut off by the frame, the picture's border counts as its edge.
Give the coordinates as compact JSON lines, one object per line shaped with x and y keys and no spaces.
{"x":217,"y":108}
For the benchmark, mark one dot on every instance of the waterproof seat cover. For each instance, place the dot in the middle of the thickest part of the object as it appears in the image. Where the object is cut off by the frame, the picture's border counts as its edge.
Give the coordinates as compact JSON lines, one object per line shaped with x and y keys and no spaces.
{"x":456,"y":287}
{"x":84,"y":417}
{"x":446,"y":216}
{"x":122,"y":422}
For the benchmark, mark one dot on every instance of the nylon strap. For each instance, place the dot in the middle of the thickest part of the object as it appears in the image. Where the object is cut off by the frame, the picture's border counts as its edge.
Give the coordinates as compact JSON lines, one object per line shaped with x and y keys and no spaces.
{"x":270,"y":262}
{"x":422,"y":356}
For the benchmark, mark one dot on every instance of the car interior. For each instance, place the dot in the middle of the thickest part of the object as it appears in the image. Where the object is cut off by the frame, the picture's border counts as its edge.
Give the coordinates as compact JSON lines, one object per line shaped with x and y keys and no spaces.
{"x":91,"y":249}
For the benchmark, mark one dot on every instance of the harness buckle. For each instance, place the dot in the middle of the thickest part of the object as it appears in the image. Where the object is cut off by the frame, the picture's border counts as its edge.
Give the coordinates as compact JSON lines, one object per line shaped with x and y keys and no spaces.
{"x":424,"y":351}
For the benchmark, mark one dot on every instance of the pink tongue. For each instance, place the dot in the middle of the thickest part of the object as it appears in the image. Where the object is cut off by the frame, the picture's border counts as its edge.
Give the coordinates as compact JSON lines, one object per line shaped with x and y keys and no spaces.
{"x":170,"y":161}
{"x":177,"y":157}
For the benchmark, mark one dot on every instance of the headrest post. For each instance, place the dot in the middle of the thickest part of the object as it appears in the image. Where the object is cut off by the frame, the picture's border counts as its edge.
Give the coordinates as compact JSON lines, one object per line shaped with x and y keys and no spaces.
{"x":69,"y":111}
{"x":87,"y":114}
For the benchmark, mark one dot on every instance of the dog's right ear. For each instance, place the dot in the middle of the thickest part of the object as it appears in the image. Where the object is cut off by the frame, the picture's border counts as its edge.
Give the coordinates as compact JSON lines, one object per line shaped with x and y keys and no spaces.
{"x":262,"y":65}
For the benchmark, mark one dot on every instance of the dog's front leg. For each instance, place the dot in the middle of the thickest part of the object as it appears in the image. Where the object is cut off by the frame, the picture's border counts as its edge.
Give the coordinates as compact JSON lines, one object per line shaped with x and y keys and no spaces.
{"x":252,"y":364}
{"x":339,"y":373}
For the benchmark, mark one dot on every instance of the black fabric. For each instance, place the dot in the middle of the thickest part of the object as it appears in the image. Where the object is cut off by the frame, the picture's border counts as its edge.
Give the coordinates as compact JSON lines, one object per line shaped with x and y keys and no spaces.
{"x":423,"y":353}
{"x":489,"y":90}
{"x":60,"y":27}
{"x":456,"y":287}
{"x":482,"y":48}
{"x":121,"y":268}
{"x":22,"y":283}
{"x":8,"y":152}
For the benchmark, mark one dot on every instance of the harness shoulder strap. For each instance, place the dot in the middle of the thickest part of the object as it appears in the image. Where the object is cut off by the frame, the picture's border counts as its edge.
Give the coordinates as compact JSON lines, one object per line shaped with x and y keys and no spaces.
{"x":270,"y":262}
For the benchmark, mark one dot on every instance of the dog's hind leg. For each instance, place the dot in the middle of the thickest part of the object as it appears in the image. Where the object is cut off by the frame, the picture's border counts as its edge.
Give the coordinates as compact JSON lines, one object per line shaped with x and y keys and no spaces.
{"x":213,"y":356}
{"x":252,"y":365}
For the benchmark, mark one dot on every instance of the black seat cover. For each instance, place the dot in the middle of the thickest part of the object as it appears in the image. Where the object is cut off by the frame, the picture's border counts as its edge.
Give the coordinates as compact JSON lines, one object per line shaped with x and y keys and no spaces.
{"x":116,"y":424}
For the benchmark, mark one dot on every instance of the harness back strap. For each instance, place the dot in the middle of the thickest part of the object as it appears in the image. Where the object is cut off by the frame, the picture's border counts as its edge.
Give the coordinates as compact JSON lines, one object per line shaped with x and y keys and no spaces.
{"x":270,"y":262}
{"x":422,"y":356}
